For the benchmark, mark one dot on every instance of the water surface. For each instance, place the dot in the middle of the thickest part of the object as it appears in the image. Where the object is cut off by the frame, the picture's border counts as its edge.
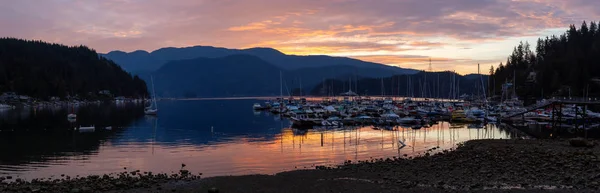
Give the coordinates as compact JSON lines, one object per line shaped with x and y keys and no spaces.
{"x":215,"y":137}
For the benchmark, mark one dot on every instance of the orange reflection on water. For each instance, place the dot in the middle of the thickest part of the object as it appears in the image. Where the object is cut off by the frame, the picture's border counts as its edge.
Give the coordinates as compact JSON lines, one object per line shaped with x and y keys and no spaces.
{"x":288,"y":150}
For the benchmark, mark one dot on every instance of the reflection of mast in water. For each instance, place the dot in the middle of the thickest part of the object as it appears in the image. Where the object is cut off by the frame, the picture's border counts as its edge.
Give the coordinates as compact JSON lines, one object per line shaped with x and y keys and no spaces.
{"x":381,"y":139}
{"x":281,"y":135}
{"x":424,"y":135}
{"x":414,"y":140}
{"x":155,"y":123}
{"x":357,"y":143}
{"x":332,"y":142}
{"x":321,"y":139}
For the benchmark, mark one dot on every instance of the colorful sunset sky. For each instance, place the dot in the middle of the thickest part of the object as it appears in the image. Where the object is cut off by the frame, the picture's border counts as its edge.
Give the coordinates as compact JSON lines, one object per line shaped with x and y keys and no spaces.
{"x":455,"y":34}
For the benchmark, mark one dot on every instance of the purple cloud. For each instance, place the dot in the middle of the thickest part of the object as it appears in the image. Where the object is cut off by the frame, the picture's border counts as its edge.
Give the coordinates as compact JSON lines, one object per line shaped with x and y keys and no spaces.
{"x":295,"y":26}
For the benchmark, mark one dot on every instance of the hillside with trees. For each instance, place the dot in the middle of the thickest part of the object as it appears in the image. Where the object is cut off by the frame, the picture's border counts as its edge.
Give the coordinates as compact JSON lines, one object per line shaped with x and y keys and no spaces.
{"x":42,"y":70}
{"x":445,"y":84}
{"x":565,"y":65}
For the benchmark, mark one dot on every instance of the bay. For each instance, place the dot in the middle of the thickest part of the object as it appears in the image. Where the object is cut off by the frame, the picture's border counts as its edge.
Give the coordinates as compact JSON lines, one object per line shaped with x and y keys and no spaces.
{"x":213,"y":137}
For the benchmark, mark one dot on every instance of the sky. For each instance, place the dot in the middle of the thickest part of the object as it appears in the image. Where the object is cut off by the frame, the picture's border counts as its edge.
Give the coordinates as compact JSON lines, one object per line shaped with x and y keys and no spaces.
{"x":454,"y":34}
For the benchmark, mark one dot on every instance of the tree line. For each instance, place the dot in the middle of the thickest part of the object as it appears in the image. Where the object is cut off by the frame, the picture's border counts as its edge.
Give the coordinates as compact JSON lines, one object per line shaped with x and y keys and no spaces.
{"x":42,"y":70}
{"x":564,"y":65}
{"x":444,"y":84}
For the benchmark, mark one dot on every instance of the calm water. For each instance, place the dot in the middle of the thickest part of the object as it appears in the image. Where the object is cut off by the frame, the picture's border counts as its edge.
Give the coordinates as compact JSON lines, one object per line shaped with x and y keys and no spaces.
{"x":215,"y":137}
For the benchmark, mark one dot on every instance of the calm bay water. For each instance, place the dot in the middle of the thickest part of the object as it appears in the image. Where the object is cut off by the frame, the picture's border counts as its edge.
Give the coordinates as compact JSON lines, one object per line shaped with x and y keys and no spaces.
{"x":215,"y":137}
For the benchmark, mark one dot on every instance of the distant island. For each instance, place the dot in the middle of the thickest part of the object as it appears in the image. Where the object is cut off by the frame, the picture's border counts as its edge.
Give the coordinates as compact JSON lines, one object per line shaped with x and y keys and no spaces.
{"x":45,"y":71}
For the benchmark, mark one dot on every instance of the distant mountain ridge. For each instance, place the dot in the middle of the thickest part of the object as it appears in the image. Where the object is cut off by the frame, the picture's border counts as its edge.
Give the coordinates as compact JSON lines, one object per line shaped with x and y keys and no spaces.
{"x":206,"y":71}
{"x":142,"y":61}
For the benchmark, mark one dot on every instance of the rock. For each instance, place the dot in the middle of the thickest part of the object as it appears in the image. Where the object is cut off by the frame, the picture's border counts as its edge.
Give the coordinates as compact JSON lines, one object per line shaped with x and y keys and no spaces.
{"x":184,"y":172}
{"x":580,"y":142}
{"x":75,"y":190}
{"x":8,"y":177}
{"x":86,"y":189}
{"x":213,"y":190}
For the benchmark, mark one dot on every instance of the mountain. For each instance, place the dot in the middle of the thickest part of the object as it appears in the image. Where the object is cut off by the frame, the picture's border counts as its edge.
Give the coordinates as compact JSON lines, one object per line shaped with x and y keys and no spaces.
{"x":241,"y":75}
{"x":229,"y":77}
{"x":142,"y":61}
{"x":218,"y":77}
{"x":41,"y":70}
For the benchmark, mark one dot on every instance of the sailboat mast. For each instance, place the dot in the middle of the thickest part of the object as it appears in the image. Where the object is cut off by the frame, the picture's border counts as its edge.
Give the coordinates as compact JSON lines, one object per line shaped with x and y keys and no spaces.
{"x":482,"y":85}
{"x":280,"y":87}
{"x":438,"y":86}
{"x":452,"y":85}
{"x":349,"y":85}
{"x":153,"y":92}
{"x":356,"y":83}
{"x":514,"y":84}
{"x":381,"y":86}
{"x":458,"y":89}
{"x":300,"y":86}
{"x":407,"y":87}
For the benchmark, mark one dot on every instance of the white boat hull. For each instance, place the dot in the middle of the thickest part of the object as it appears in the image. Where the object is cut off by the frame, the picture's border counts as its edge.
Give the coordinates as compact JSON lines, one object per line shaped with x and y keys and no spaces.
{"x":151,"y":111}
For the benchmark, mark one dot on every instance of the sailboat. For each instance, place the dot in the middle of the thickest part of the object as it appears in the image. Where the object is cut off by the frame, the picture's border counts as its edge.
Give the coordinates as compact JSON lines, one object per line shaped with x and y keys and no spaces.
{"x":153,"y":108}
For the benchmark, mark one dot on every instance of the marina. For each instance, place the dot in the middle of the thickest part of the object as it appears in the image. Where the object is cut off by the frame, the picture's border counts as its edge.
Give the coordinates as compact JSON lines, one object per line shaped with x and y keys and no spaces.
{"x":573,"y":115}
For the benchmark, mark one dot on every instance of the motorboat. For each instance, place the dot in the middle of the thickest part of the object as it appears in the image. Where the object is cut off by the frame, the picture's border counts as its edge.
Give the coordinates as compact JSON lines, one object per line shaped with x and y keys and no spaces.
{"x":87,"y":129}
{"x":407,"y":120}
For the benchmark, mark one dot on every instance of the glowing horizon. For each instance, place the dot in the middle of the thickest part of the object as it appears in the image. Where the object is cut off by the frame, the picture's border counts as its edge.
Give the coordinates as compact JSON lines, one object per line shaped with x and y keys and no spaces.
{"x":455,"y":34}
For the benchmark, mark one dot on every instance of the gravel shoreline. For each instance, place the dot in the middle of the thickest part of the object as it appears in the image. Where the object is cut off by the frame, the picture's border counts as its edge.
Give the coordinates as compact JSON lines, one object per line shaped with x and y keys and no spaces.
{"x":479,"y":165}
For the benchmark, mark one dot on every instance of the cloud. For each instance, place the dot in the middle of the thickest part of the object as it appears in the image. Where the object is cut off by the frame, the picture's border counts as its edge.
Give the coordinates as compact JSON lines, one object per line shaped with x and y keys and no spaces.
{"x":356,"y":28}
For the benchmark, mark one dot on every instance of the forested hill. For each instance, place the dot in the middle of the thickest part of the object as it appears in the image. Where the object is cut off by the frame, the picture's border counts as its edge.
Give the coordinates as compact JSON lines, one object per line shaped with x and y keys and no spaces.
{"x":563,"y":65}
{"x":42,"y":70}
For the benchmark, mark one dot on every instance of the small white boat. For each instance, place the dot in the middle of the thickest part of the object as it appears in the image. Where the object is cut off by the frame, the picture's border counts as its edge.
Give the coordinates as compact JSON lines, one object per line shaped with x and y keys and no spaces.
{"x":407,"y":120}
{"x":150,"y":111}
{"x":87,"y":129}
{"x":257,"y":106}
{"x":5,"y":107}
{"x":71,"y":116}
{"x":335,"y":123}
{"x":491,"y":119}
{"x":108,"y":128}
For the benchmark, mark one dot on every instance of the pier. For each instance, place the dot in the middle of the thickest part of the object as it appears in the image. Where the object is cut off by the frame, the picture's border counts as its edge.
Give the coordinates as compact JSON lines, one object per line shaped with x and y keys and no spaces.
{"x":578,"y":121}
{"x":555,"y":102}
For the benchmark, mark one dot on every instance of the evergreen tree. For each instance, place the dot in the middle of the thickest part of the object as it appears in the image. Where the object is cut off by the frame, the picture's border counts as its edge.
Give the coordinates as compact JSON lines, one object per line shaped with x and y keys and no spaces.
{"x":42,"y":70}
{"x":569,"y":61}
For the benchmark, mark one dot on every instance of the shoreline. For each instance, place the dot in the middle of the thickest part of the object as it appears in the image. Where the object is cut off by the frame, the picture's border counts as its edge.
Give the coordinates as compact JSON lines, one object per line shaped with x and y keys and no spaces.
{"x":477,"y":165}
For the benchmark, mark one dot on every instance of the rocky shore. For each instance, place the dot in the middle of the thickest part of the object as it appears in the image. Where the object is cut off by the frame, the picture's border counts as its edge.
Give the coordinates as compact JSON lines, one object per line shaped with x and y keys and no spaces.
{"x":479,"y":165}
